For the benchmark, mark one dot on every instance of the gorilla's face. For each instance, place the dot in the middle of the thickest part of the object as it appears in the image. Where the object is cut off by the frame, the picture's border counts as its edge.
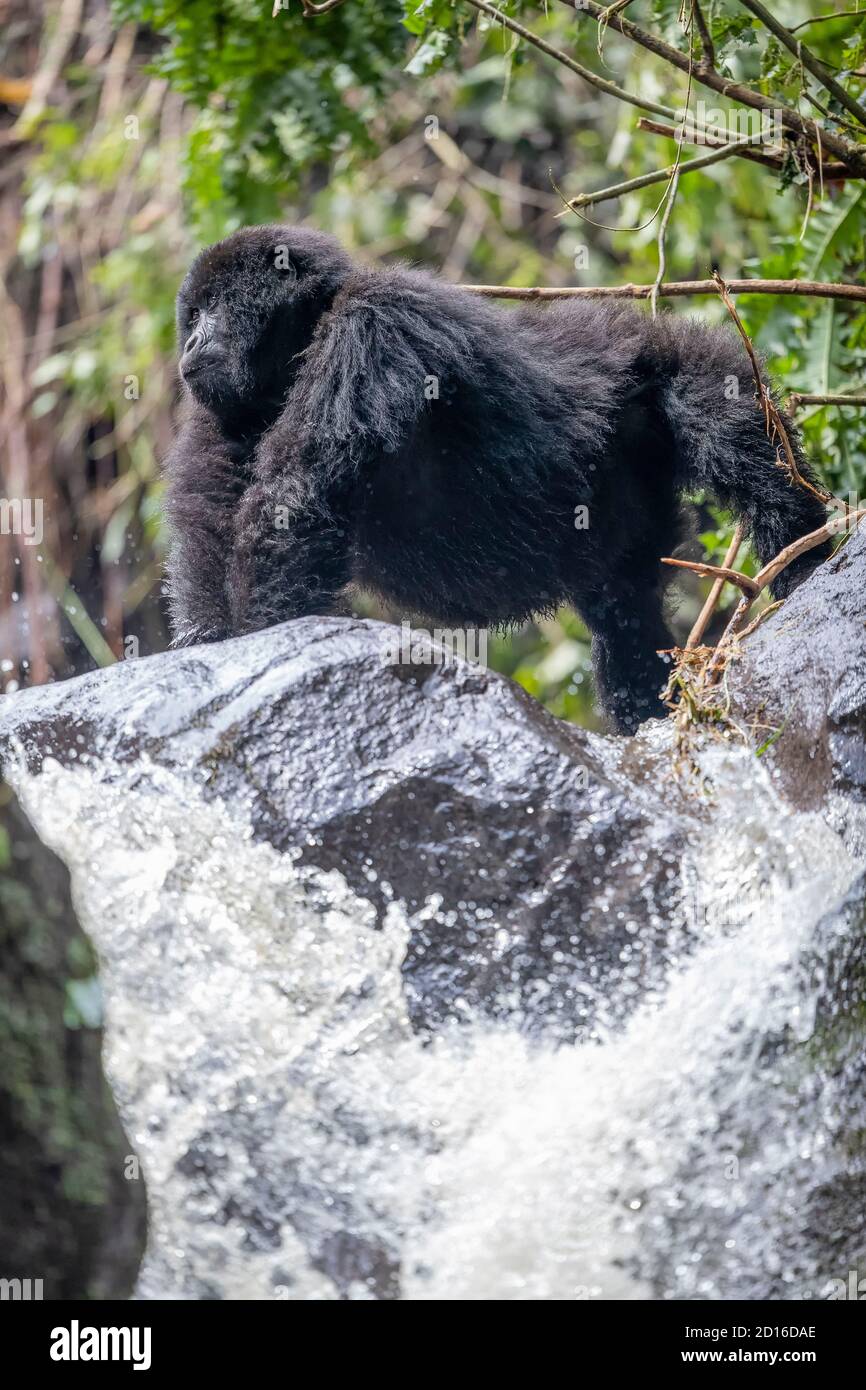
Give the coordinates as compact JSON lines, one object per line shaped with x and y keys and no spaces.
{"x":247,"y":308}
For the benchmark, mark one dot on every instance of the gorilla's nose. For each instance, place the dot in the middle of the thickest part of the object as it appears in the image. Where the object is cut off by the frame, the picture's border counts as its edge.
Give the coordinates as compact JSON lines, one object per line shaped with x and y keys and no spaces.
{"x":193,"y":356}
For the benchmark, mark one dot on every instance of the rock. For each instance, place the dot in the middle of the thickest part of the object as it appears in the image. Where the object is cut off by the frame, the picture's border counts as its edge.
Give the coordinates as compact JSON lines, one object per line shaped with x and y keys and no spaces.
{"x":72,"y":1200}
{"x":803,"y":673}
{"x":526,"y":851}
{"x":415,"y":992}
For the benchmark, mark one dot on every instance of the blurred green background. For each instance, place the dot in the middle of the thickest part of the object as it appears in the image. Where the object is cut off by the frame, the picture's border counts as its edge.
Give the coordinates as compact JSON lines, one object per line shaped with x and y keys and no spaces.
{"x":132,"y":134}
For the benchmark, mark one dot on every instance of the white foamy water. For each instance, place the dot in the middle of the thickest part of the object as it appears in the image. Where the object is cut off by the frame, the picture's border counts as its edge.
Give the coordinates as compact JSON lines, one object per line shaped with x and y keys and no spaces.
{"x":292,"y":1127}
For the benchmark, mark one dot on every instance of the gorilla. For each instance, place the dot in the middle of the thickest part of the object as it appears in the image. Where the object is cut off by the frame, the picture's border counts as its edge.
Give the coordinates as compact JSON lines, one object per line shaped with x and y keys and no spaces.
{"x":469,"y":464}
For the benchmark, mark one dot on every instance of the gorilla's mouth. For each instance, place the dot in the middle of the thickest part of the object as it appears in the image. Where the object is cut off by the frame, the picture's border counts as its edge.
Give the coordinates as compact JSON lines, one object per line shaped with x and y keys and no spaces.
{"x":193,"y":369}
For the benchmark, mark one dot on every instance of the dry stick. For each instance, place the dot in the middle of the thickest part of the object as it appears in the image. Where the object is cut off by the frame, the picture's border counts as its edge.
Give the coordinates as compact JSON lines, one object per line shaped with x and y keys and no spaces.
{"x":771,"y":159}
{"x":672,"y":290}
{"x":616,"y":190}
{"x":696,"y":635}
{"x":798,"y":398}
{"x":723,"y":573}
{"x":774,"y":423}
{"x":771,"y":571}
{"x":806,"y":59}
{"x":587,"y":74}
{"x":854,"y":156}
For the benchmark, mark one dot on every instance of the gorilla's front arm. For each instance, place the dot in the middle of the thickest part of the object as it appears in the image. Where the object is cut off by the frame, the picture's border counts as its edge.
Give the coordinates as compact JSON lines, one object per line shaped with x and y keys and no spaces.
{"x":206,"y":480}
{"x":359,"y":396}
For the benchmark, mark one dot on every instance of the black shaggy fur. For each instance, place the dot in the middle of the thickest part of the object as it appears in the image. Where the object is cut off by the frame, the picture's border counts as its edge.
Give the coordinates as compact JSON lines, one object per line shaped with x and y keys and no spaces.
{"x":384,"y":428}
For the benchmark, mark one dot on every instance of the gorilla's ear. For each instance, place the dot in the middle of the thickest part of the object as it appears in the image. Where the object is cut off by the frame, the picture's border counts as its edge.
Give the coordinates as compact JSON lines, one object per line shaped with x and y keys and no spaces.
{"x":282,"y":263}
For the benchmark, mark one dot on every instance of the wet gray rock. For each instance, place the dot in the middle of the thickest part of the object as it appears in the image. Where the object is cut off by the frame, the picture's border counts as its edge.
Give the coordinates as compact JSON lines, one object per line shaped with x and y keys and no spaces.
{"x":72,"y":1204}
{"x":536,"y":861}
{"x":282,"y":1036}
{"x":803,"y":672}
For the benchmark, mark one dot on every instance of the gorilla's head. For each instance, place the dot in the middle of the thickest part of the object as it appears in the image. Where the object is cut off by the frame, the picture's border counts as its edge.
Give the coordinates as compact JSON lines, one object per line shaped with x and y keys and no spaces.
{"x":247,"y":307}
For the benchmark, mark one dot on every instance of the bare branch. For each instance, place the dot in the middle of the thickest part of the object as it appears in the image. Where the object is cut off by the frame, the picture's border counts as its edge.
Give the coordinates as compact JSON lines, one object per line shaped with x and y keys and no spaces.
{"x":721,"y":573}
{"x":800,"y":398}
{"x":771,"y":158}
{"x":616,"y":190}
{"x":823,"y":18}
{"x":751,"y":588}
{"x":675,"y":289}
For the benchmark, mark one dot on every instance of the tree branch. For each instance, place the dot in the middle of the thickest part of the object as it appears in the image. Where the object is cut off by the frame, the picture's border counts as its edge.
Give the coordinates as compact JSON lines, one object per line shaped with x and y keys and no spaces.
{"x":772,"y":158}
{"x":675,"y":289}
{"x":823,"y":18}
{"x":722,"y":573}
{"x":616,"y":190}
{"x":808,"y":60}
{"x":798,"y":398}
{"x":708,"y":52}
{"x":854,"y":156}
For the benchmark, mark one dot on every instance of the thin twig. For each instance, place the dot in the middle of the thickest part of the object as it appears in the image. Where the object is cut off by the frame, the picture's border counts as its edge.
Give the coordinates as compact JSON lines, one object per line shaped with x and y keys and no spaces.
{"x":722,"y":573}
{"x":616,"y":190}
{"x":702,"y":621}
{"x":673,"y":171}
{"x":696,"y":135}
{"x":602,"y":23}
{"x":771,"y":572}
{"x":823,"y":18}
{"x":767,"y":575}
{"x":772,"y":418}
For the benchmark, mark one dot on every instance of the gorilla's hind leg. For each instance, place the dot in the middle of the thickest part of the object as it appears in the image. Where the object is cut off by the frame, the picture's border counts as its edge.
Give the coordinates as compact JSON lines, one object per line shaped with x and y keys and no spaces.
{"x":628,"y":630}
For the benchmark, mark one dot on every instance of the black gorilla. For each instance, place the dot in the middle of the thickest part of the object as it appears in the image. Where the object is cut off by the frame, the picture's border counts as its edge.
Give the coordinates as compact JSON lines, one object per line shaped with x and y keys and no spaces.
{"x":383,"y":427}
